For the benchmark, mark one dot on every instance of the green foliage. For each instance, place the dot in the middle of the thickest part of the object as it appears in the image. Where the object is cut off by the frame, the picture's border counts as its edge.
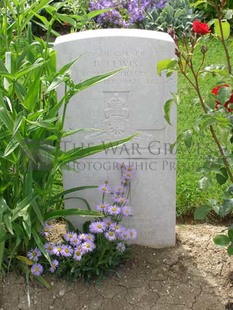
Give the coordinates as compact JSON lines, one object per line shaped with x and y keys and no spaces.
{"x":215,"y":116}
{"x":31,"y":130}
{"x":176,"y":14}
{"x":208,"y":7}
{"x":95,"y":265}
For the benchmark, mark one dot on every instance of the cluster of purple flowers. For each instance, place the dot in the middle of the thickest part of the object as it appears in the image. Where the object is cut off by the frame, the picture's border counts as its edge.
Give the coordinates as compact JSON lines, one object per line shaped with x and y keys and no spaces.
{"x":123,"y":13}
{"x":75,"y":246}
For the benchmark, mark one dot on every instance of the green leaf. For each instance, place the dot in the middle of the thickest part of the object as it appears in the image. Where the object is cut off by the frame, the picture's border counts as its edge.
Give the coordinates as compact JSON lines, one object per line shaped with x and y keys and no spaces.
{"x":80,"y":152}
{"x":82,"y":199}
{"x":68,"y":191}
{"x":221,"y":240}
{"x":228,"y":14}
{"x":24,"y":204}
{"x":230,"y":250}
{"x":7,"y":221}
{"x":195,"y":4}
{"x":33,"y":94}
{"x":188,"y":140}
{"x":201,"y":212}
{"x":167,"y":110}
{"x":47,"y":124}
{"x":40,"y":245}
{"x":94,"y":80}
{"x":165,"y":64}
{"x":42,"y":281}
{"x":37,"y":210}
{"x":28,"y":69}
{"x":204,"y":183}
{"x":66,"y":18}
{"x":74,"y":131}
{"x":222,"y":177}
{"x":230,"y":233}
{"x":226,"y":207}
{"x":225,"y":28}
{"x":68,"y":212}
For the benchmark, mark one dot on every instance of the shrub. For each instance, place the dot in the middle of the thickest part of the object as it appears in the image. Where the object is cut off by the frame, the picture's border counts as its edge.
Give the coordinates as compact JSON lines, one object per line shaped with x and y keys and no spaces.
{"x":176,"y":14}
{"x":123,"y":14}
{"x":101,"y":247}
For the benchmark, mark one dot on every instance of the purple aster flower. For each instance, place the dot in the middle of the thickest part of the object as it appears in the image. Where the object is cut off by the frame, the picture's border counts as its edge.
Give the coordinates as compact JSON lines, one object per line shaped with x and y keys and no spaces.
{"x":66,"y":251}
{"x":120,"y":199}
{"x":102,"y":207}
{"x":45,"y":231}
{"x":119,"y":189}
{"x":54,"y":265}
{"x":75,"y":241}
{"x":78,"y":252}
{"x":86,"y":237}
{"x":88,"y":246}
{"x":126,"y":211}
{"x":107,"y":221}
{"x":116,"y":197}
{"x":37,"y":269}
{"x":123,"y":234}
{"x":49,"y":223}
{"x":68,"y":236}
{"x":97,"y":227}
{"x":82,"y":237}
{"x":120,"y":247}
{"x":132,"y":233}
{"x":90,"y":237}
{"x":34,"y":254}
{"x":115,"y":227}
{"x":110,"y":235}
{"x":49,"y":247}
{"x":114,"y":210}
{"x":57,"y":249}
{"x":127,"y":176}
{"x":105,"y":189}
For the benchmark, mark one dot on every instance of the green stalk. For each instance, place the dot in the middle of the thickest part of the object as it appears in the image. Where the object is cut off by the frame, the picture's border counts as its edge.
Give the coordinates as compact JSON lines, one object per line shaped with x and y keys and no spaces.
{"x":214,"y":136}
{"x":229,"y":68}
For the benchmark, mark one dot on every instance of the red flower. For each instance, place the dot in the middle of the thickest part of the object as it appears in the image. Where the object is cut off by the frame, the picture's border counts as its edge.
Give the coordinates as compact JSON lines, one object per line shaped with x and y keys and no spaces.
{"x":226,"y":104}
{"x":200,"y":28}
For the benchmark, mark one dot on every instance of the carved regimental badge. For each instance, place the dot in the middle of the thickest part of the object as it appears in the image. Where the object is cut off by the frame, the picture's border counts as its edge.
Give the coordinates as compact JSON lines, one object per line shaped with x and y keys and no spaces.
{"x":117,"y":123}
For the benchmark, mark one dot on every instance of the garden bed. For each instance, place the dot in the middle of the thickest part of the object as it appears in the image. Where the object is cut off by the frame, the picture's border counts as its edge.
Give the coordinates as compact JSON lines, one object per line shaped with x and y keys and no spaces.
{"x":194,"y":275}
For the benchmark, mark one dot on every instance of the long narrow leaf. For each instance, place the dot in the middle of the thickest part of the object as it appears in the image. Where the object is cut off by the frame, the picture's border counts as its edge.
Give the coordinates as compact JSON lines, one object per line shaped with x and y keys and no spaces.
{"x":80,"y":152}
{"x":68,"y":191}
{"x":40,"y":245}
{"x":68,"y":212}
{"x":82,"y":199}
{"x":24,"y":204}
{"x":94,"y":80}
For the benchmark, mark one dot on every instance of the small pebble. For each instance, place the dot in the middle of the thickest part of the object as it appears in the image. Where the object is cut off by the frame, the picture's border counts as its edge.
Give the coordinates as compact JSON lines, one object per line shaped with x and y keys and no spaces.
{"x":62,"y":293}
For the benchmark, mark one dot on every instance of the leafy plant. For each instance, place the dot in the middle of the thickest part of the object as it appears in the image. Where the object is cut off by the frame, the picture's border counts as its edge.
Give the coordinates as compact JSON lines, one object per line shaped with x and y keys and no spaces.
{"x":123,"y":14}
{"x":209,"y":9}
{"x":217,"y":108}
{"x":31,"y":132}
{"x":98,"y":250}
{"x":176,"y":14}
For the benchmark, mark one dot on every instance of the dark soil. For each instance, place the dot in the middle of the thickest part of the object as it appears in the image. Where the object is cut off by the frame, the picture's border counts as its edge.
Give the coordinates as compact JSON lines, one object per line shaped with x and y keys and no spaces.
{"x":194,"y":275}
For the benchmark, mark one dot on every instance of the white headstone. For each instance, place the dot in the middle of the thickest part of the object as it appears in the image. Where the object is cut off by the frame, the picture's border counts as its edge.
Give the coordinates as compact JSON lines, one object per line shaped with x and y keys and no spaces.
{"x":129,"y":102}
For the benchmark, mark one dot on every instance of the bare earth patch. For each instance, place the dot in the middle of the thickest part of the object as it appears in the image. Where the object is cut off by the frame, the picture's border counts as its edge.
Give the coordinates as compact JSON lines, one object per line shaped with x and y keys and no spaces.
{"x":194,"y":275}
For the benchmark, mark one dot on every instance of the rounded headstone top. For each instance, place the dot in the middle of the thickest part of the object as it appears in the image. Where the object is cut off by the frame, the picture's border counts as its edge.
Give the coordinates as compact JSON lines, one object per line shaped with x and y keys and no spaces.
{"x":107,"y":33}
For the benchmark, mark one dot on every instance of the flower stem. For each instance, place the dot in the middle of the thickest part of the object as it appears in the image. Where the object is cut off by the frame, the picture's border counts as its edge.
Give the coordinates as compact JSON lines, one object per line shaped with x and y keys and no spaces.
{"x":214,"y":136}
{"x":222,"y":38}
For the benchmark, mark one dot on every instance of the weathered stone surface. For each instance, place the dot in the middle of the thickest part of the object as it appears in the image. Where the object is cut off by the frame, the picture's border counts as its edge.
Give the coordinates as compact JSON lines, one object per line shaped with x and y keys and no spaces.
{"x":129,"y":102}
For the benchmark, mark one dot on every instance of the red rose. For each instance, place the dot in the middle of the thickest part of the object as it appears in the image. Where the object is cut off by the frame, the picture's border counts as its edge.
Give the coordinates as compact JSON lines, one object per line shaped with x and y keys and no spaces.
{"x":200,"y":28}
{"x":226,"y":104}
